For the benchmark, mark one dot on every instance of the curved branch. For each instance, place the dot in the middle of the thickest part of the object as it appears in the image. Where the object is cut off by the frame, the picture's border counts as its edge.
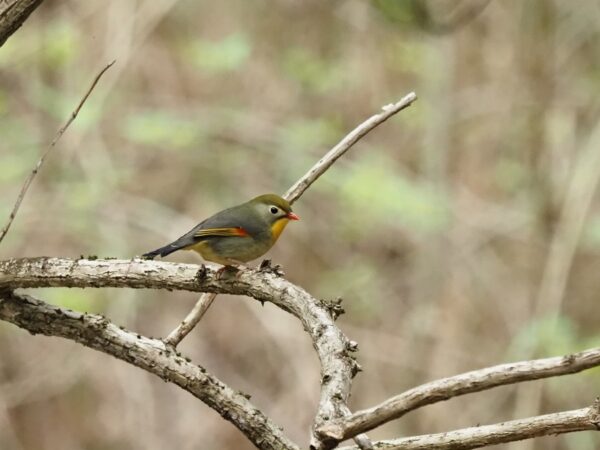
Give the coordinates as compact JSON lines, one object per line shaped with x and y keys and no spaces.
{"x":264,"y":284}
{"x":466,"y":383}
{"x":99,"y":333}
{"x":515,"y":430}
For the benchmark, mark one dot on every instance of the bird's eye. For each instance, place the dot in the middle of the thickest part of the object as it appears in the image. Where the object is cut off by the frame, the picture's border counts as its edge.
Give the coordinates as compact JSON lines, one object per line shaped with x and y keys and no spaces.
{"x":274,"y":210}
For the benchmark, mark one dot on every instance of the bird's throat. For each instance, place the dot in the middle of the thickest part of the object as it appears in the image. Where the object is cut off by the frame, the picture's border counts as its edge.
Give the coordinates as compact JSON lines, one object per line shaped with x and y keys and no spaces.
{"x":278,"y":227}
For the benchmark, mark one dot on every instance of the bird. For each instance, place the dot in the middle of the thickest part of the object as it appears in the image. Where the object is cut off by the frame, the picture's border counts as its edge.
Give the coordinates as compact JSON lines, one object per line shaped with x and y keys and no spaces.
{"x":235,"y":235}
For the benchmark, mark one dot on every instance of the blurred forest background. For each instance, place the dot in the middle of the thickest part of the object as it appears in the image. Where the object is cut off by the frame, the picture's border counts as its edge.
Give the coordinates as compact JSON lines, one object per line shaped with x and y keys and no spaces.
{"x":464,"y":232}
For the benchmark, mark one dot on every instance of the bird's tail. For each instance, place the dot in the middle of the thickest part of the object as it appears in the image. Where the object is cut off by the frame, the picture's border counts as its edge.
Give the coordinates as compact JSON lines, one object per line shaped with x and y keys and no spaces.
{"x":163,"y":251}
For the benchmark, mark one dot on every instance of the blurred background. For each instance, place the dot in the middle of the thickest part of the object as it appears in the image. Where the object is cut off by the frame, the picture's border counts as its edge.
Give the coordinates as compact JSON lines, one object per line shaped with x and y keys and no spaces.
{"x":464,"y":232}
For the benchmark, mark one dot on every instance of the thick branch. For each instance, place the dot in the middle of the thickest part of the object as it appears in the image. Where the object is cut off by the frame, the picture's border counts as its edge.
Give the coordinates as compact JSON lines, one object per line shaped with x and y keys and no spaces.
{"x":440,"y":390}
{"x":13,"y":15}
{"x":99,"y":333}
{"x":337,"y":366}
{"x":515,"y":430}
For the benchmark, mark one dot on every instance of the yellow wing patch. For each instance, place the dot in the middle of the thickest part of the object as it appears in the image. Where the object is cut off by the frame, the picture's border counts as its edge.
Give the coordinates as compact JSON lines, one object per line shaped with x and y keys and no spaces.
{"x":229,"y":231}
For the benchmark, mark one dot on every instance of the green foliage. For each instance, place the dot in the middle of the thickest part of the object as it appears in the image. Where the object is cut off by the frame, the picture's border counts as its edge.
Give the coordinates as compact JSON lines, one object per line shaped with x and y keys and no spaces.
{"x":374,"y":191}
{"x":221,"y":56}
{"x":510,"y":175}
{"x":75,"y":299}
{"x":62,"y":44}
{"x":395,"y":11}
{"x":591,"y":233}
{"x":162,"y":129}
{"x":314,"y":73}
{"x":580,"y":441}
{"x":302,"y":134}
{"x":357,"y":282}
{"x":544,"y":336}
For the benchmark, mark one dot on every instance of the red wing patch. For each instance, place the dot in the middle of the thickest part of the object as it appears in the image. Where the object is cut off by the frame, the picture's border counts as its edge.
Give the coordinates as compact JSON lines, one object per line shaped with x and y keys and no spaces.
{"x":233,"y":231}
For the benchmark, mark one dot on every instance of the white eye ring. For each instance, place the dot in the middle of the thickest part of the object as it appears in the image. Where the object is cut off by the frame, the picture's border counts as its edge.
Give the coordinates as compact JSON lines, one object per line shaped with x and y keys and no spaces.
{"x":274,"y":210}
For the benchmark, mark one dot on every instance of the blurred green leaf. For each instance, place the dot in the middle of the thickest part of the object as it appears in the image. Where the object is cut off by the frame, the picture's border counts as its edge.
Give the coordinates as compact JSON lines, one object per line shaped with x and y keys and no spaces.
{"x":357,"y":282}
{"x":395,"y":11}
{"x":160,"y":128}
{"x":76,"y":299}
{"x":544,"y":337}
{"x":510,"y":175}
{"x":406,"y":56}
{"x":61,"y":45}
{"x":373,"y":190}
{"x":303,"y":134}
{"x":225,"y":55}
{"x":580,"y":441}
{"x":591,"y":233}
{"x":314,"y":73}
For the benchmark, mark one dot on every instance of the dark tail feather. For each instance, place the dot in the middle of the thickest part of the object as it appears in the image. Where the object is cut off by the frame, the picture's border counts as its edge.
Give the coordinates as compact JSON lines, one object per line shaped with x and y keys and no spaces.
{"x":163,"y":251}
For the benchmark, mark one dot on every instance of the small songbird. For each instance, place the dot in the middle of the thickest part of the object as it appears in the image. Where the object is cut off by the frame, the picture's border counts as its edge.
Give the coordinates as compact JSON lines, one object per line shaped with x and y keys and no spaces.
{"x":238,"y":234}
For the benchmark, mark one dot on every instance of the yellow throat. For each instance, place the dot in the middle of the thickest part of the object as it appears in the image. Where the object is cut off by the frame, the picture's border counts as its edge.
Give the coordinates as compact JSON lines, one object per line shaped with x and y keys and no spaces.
{"x":278,"y":227}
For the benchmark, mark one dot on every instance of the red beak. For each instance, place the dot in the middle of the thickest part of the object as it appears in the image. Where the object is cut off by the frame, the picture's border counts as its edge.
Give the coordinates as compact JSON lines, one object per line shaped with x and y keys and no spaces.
{"x":292,"y":216}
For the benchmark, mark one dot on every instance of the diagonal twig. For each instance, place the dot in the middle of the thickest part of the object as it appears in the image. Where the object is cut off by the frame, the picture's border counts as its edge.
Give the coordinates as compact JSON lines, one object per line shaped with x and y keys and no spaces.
{"x":344,"y":145}
{"x":191,"y":320}
{"x":293,"y":194}
{"x":37,"y":167}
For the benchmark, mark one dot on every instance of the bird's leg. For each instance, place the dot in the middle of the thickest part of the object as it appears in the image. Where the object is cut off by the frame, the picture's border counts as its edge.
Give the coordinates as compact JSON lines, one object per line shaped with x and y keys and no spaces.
{"x":232,"y":264}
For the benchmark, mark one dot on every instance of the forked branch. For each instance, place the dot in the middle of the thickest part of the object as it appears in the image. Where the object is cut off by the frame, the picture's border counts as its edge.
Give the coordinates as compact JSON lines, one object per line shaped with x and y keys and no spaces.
{"x":466,"y":383}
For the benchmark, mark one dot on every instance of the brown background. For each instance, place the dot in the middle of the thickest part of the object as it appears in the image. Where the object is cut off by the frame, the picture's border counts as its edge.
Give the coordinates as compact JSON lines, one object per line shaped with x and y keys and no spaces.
{"x":465,"y":232}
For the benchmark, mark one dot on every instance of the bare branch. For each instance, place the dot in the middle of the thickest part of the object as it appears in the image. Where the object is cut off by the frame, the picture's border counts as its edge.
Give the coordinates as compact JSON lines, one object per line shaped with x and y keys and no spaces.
{"x":99,"y":333}
{"x":13,"y":16}
{"x":191,"y":320}
{"x":466,"y":383}
{"x":59,"y":134}
{"x":344,"y":145}
{"x":515,"y":430}
{"x":264,"y":284}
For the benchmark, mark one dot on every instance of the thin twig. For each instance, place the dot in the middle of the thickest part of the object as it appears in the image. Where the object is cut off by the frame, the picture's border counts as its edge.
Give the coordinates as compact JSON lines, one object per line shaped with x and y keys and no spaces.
{"x":499,"y":433}
{"x":344,"y":145}
{"x":190,"y":321}
{"x":466,"y":383}
{"x":37,"y":167}
{"x":293,"y":194}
